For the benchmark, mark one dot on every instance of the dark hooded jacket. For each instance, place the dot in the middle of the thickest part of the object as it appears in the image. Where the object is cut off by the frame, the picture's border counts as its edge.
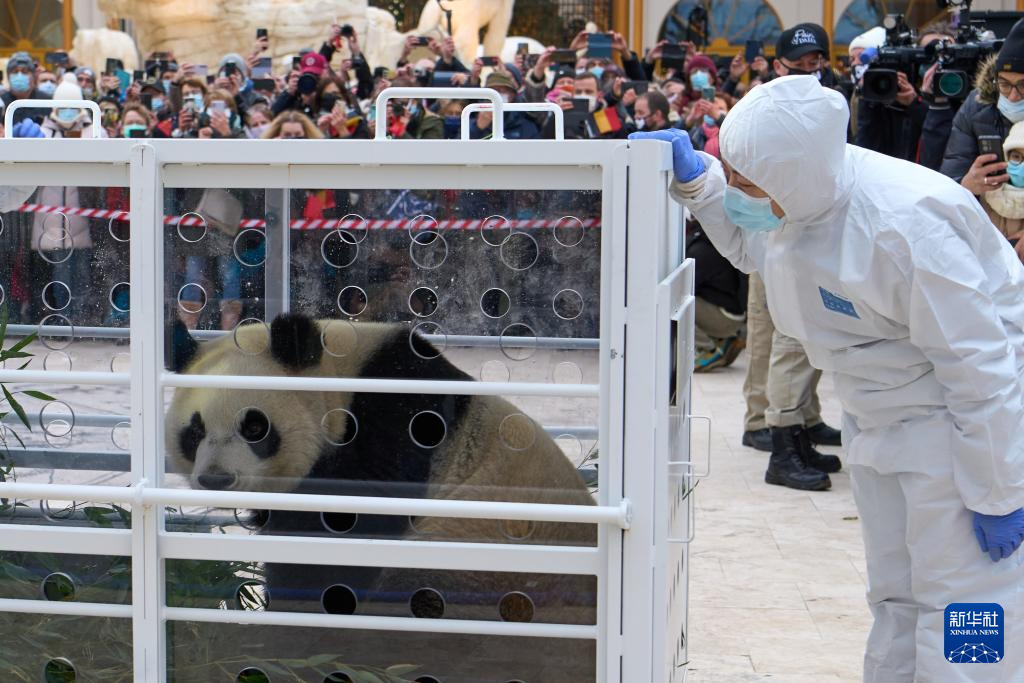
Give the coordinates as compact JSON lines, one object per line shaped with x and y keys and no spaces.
{"x":979,"y":115}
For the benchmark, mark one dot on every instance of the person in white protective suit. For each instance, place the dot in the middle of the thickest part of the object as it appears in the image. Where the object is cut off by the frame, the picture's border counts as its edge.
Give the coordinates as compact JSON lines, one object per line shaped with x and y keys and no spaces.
{"x":893,"y":278}
{"x":11,"y":197}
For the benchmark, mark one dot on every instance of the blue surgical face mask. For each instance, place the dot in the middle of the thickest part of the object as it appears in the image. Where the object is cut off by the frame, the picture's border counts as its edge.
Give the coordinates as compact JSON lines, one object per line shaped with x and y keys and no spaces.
{"x":598,"y":71}
{"x":1015,"y":169}
{"x":47,"y":87}
{"x":158,"y":103}
{"x":167,"y":85}
{"x":452,"y":127}
{"x":197,"y":102}
{"x":700,"y":79}
{"x":1014,"y":111}
{"x":414,"y":109}
{"x":67,"y":115}
{"x":127,"y":130}
{"x":749,"y":213}
{"x":709,"y":120}
{"x":21,"y":82}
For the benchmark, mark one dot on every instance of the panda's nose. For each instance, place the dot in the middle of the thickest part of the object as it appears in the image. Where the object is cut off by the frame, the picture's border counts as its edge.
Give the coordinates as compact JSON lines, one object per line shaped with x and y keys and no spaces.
{"x":216,"y":480}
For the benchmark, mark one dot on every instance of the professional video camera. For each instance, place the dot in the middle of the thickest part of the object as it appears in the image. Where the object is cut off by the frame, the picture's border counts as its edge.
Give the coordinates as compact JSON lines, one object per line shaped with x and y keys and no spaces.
{"x":958,"y":60}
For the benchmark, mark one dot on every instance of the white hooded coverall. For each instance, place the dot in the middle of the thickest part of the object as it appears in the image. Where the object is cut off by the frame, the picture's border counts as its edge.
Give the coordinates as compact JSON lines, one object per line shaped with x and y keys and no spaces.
{"x":893,"y":278}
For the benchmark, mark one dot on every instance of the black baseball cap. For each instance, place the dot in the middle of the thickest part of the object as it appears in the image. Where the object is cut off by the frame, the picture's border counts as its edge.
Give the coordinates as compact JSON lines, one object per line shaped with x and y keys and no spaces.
{"x":800,"y":40}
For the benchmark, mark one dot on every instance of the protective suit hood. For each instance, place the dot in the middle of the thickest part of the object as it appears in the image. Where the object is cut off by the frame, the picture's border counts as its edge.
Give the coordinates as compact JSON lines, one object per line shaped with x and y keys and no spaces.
{"x":788,"y":137}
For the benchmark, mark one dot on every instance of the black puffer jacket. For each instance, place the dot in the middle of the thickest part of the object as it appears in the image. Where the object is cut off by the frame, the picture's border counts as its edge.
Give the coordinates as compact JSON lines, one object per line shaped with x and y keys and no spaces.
{"x":978,"y":116}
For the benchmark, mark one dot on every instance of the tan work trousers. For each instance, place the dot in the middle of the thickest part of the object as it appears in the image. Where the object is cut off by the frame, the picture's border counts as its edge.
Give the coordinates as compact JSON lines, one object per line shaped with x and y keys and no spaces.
{"x":781,"y":386}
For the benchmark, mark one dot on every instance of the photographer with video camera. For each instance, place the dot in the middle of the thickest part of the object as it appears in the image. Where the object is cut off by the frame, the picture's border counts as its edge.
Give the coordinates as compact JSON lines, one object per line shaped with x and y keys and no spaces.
{"x":996,"y":103}
{"x":890,"y":112}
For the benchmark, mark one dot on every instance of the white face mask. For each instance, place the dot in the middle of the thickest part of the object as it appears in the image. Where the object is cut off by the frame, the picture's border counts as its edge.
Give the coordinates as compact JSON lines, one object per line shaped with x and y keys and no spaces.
{"x":640,"y":122}
{"x":591,"y":101}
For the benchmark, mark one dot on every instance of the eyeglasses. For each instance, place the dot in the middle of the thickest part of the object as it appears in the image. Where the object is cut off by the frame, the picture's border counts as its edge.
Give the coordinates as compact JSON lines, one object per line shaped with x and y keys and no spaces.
{"x":1005,"y":87}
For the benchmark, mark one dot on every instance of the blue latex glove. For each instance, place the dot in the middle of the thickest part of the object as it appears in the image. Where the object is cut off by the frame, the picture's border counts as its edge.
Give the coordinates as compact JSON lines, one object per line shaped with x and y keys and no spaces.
{"x":999,"y":536}
{"x":28,"y":129}
{"x":685,"y":162}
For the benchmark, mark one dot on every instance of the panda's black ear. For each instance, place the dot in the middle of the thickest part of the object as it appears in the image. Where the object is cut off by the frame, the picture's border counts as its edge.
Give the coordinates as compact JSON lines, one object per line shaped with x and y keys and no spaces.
{"x":180,"y":348}
{"x":295,"y":341}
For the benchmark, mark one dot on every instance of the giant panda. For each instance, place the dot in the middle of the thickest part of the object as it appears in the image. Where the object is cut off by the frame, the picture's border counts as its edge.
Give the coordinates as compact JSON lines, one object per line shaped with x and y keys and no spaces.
{"x":340,"y":443}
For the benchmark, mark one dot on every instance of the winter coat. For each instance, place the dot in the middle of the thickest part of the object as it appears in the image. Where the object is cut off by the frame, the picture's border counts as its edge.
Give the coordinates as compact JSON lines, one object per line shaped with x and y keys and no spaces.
{"x":979,"y":115}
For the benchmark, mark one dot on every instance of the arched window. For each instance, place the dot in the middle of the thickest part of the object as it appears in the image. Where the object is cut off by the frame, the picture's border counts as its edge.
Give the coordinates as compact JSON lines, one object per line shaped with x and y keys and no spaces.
{"x":731,"y":21}
{"x":862,"y":15}
{"x":33,"y":25}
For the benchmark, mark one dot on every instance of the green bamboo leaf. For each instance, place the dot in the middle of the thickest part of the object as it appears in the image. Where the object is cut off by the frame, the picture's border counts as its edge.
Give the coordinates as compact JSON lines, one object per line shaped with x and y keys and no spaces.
{"x":38,"y":394}
{"x":22,"y":343}
{"x":3,"y":324}
{"x":401,"y":669}
{"x":17,"y":408}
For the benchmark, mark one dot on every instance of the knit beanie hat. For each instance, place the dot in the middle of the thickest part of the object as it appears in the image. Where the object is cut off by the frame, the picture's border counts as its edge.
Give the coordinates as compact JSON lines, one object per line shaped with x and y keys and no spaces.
{"x":68,"y":88}
{"x":1011,"y":57}
{"x":701,"y":62}
{"x":1015,"y":140}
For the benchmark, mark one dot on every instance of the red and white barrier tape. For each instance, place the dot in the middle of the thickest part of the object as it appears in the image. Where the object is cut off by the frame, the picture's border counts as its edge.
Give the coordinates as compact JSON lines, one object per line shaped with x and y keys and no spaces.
{"x":417,"y":223}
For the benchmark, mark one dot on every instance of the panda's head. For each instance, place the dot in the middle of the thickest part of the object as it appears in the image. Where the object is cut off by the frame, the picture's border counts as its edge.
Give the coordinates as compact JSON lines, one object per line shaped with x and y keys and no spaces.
{"x":231,"y":439}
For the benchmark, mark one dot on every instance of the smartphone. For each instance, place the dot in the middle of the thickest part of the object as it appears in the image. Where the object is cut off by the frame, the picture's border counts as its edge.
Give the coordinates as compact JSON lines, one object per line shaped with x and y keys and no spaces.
{"x":261,"y":33}
{"x":523,"y":49}
{"x":991,"y":144}
{"x":599,"y":45}
{"x":708,"y":93}
{"x":211,"y":79}
{"x":147,"y":100}
{"x":229,"y":69}
{"x":57,"y":58}
{"x":422,"y":41}
{"x":138,"y":76}
{"x":580,"y":105}
{"x":137,"y":133}
{"x":752,"y":50}
{"x":264,"y":84}
{"x":262,"y":68}
{"x":113,"y":66}
{"x":152,"y":67}
{"x":220,"y":106}
{"x":564,"y":57}
{"x":639,"y":87}
{"x":442,"y":79}
{"x":296,"y":63}
{"x":347,"y":32}
{"x":673,"y":57}
{"x":201,"y":70}
{"x":489,"y":61}
{"x":531,"y":60}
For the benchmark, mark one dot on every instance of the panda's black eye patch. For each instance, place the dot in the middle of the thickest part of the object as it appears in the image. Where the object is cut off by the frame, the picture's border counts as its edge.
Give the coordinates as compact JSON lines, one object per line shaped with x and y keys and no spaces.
{"x":191,"y":436}
{"x":256,"y":430}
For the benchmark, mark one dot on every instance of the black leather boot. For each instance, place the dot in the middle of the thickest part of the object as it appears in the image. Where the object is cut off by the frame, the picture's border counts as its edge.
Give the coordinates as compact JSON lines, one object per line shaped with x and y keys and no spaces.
{"x":786,"y":466}
{"x":812,"y":458}
{"x":823,"y":435}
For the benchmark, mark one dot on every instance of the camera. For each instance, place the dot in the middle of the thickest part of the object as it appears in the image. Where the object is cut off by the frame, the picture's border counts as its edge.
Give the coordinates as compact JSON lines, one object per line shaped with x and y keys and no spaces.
{"x":347,"y":31}
{"x":307,"y":83}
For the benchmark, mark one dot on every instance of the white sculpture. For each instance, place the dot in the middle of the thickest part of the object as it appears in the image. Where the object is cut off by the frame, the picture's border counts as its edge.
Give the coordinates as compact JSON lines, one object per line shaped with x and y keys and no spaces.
{"x":92,"y":46}
{"x":201,"y":31}
{"x":468,"y":17}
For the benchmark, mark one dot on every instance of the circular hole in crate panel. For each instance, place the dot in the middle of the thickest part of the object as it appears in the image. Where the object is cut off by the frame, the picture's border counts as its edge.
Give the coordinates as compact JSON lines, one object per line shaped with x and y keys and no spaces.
{"x":55,"y":510}
{"x":57,"y":419}
{"x":517,"y":432}
{"x":3,"y":295}
{"x":56,"y":295}
{"x":192,"y":227}
{"x":250,"y":247}
{"x":495,"y":230}
{"x":494,"y":371}
{"x":517,"y":529}
{"x":339,"y":427}
{"x":192,"y":298}
{"x":495,"y":303}
{"x":354,"y":227}
{"x":56,"y":340}
{"x":59,"y":670}
{"x":567,"y":372}
{"x":427,"y":679}
{"x":567,"y":304}
{"x":518,"y":341}
{"x":424,"y":347}
{"x":516,"y":606}
{"x":339,"y":338}
{"x":252,"y":596}
{"x":56,"y":244}
{"x":424,"y":225}
{"x":427,"y":429}
{"x":520,"y":251}
{"x":121,"y":362}
{"x":569,"y":231}
{"x":253,"y":520}
{"x":2,"y":225}
{"x":121,"y":297}
{"x":339,"y":522}
{"x":57,"y":361}
{"x":121,"y":435}
{"x":118,"y":229}
{"x":251,"y":336}
{"x":339,"y":599}
{"x":423,"y":302}
{"x":339,"y":249}
{"x":58,"y":587}
{"x":338,"y":677}
{"x":428,"y":250}
{"x":352,"y":300}
{"x":252,"y":425}
{"x":427,"y":603}
{"x":252,"y":674}
{"x":571,"y":447}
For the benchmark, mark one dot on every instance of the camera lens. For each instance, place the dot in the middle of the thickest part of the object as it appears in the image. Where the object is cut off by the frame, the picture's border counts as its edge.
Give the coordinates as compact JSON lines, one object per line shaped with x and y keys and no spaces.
{"x":307,"y":83}
{"x":951,"y":84}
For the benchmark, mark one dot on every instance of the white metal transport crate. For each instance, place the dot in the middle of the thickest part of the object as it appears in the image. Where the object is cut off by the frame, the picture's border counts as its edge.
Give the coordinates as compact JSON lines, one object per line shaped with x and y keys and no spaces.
{"x":360,"y":411}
